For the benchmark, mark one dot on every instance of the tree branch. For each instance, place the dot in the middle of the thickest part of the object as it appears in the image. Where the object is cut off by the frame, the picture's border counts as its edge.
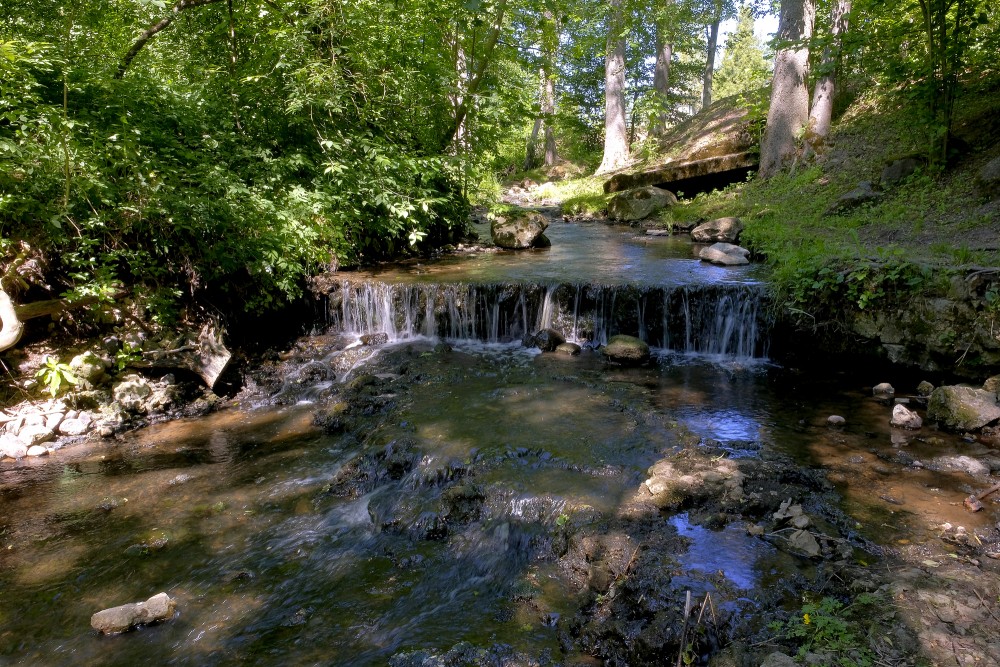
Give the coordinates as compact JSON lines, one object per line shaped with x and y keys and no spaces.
{"x":152,"y":30}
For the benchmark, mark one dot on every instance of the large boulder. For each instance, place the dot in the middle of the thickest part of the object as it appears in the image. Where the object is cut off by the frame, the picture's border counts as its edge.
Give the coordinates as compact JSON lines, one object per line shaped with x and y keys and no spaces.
{"x":725,"y":254}
{"x":547,"y":340}
{"x":726,"y":230}
{"x":518,"y":229}
{"x":859,"y":196}
{"x":961,"y":408}
{"x":112,"y":621}
{"x":640,"y":203}
{"x":988,"y":178}
{"x":626,"y":350}
{"x":899,"y":170}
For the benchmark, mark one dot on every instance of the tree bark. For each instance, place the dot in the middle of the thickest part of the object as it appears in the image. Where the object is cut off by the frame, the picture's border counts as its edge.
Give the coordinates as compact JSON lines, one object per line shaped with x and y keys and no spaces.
{"x":615,"y":137}
{"x":548,"y":112}
{"x":661,"y":82}
{"x":789,"y":111}
{"x":821,"y":115}
{"x":157,"y":27}
{"x":713,"y":44}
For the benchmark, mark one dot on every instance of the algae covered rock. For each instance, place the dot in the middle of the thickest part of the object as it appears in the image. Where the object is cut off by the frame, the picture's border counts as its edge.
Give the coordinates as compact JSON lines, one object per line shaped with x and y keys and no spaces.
{"x":547,"y":340}
{"x":519,"y":229}
{"x":961,"y":408}
{"x":626,"y":350}
{"x":640,"y":203}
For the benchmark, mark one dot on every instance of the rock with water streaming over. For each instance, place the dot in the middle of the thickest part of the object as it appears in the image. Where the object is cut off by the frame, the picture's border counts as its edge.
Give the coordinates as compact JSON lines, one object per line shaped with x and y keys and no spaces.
{"x":725,"y":254}
{"x":903,"y":417}
{"x":961,"y":408}
{"x":120,"y":619}
{"x":726,"y":230}
{"x":624,"y":349}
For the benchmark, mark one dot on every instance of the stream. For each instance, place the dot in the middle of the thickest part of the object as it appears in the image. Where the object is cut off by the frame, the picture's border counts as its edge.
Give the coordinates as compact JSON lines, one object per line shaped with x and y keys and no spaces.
{"x":451,"y":490}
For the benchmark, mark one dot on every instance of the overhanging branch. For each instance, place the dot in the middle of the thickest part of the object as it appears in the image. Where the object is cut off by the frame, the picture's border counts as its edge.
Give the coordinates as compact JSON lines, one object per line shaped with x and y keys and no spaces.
{"x":157,"y":27}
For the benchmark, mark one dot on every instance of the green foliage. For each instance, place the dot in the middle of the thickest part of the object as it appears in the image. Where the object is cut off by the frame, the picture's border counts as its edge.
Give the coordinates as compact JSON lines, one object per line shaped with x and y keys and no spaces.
{"x":127,"y":355}
{"x":55,"y":376}
{"x":744,"y":69}
{"x":831,"y":627}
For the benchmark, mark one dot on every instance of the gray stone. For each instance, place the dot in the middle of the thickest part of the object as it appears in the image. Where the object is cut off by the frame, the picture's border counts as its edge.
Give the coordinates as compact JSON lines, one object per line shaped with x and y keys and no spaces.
{"x":859,"y":196}
{"x":160,"y":607}
{"x":131,"y":393}
{"x":640,"y":203}
{"x":35,"y":434}
{"x":518,"y":230}
{"x":777,"y":659}
{"x":12,"y":446}
{"x":899,"y":170}
{"x":961,"y":408}
{"x":571,"y":349}
{"x":626,"y":350}
{"x":725,"y":254}
{"x":992,"y":384}
{"x":925,"y":388}
{"x":803,"y":540}
{"x":965,"y":464}
{"x":988,"y":178}
{"x":883,"y":390}
{"x":77,"y":425}
{"x":835,"y":420}
{"x":726,"y":230}
{"x":903,"y":417}
{"x":89,"y":369}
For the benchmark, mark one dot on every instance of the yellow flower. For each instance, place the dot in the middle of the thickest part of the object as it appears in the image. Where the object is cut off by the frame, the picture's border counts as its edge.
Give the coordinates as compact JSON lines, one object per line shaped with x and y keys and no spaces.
{"x":806,"y":619}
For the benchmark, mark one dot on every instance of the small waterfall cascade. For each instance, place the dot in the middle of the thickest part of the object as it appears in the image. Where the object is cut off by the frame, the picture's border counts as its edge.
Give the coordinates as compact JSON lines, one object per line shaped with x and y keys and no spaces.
{"x":727,"y":319}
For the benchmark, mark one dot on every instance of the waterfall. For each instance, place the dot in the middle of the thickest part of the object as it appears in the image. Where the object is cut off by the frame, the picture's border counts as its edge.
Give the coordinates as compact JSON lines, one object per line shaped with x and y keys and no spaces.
{"x":729,"y":319}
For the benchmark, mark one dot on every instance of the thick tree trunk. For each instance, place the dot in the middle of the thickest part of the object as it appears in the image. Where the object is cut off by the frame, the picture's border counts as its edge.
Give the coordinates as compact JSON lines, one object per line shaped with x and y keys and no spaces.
{"x":531,"y":153}
{"x":548,"y":112}
{"x":789,"y":111}
{"x":713,"y":43}
{"x":661,"y":83}
{"x":615,"y":137}
{"x":13,"y":327}
{"x":821,"y":114}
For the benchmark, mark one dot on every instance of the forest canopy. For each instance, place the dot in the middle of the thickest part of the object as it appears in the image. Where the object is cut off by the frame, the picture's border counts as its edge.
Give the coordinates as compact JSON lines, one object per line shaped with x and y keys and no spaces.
{"x":221,"y":151}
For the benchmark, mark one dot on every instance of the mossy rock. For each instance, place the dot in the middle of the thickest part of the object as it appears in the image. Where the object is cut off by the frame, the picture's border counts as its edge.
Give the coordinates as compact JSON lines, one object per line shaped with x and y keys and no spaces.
{"x":626,"y":350}
{"x":959,"y":408}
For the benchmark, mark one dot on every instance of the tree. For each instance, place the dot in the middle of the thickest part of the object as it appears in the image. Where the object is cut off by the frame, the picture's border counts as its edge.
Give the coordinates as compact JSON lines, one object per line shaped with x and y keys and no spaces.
{"x":744,"y":68}
{"x":616,"y":153}
{"x":821,"y":114}
{"x":712,"y":29}
{"x":788,"y":114}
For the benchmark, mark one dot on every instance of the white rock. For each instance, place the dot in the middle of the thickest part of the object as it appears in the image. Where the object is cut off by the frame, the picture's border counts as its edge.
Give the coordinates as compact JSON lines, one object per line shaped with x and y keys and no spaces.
{"x":74,"y":427}
{"x":835,"y":420}
{"x":35,"y":435}
{"x":12,"y":446}
{"x":903,"y":417}
{"x":53,"y":420}
{"x":37,"y":450}
{"x":883,"y":390}
{"x":725,"y":254}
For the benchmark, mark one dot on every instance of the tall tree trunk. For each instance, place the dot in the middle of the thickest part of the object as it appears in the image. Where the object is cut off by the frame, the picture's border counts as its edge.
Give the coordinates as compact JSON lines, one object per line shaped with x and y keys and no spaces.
{"x":548,"y":113}
{"x":713,"y":43}
{"x":789,"y":111}
{"x":615,"y":138}
{"x":531,"y":153}
{"x":661,"y":81}
{"x":822,"y":106}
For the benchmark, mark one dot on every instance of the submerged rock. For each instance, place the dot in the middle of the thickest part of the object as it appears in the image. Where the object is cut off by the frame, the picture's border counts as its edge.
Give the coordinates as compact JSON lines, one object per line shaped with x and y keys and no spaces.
{"x":726,"y":230}
{"x":961,"y":408}
{"x":640,"y":203}
{"x":725,"y":254}
{"x":160,"y":607}
{"x":903,"y":417}
{"x":518,"y":229}
{"x":624,"y":349}
{"x":571,"y":349}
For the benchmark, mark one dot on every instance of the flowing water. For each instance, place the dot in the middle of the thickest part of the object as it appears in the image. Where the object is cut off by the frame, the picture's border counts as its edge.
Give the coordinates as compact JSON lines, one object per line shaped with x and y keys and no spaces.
{"x":441,"y":516}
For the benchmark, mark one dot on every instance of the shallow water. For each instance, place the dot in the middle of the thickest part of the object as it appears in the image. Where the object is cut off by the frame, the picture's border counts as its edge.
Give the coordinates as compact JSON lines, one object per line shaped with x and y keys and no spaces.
{"x":233,"y":514}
